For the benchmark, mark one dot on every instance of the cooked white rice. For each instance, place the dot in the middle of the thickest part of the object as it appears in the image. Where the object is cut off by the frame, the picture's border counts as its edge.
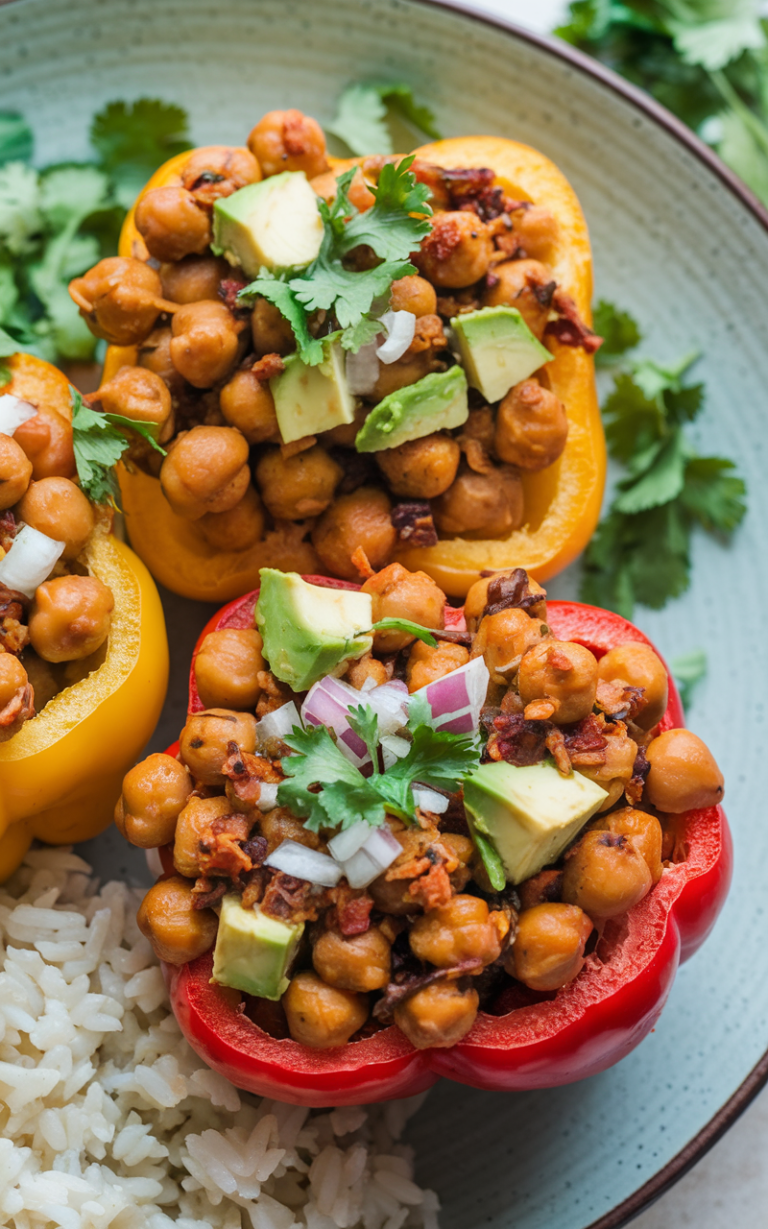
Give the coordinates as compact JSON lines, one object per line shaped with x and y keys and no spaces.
{"x":108,"y":1118}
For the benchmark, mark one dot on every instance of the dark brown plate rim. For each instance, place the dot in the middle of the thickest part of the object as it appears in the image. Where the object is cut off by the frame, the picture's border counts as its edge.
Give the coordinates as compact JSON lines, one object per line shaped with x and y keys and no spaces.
{"x":725,"y":1117}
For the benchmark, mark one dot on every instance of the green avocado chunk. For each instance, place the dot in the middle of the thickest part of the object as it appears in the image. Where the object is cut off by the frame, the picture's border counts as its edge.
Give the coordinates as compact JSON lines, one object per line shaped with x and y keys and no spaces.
{"x":274,"y":224}
{"x":434,"y":403}
{"x":497,"y":349}
{"x":306,"y":629}
{"x":529,"y":814}
{"x":310,"y":400}
{"x":253,"y":951}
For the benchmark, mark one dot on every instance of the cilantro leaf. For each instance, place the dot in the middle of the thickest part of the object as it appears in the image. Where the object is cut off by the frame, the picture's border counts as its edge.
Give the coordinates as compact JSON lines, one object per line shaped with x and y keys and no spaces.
{"x":360,"y":334}
{"x":618,"y":331}
{"x":688,"y":669}
{"x":405,"y":625}
{"x":660,"y":482}
{"x":327,"y":284}
{"x":365,"y":723}
{"x":289,"y":306}
{"x":713,"y":495}
{"x":388,"y":226}
{"x":633,"y":422}
{"x":360,"y":120}
{"x":133,"y":139}
{"x":491,"y":861}
{"x":436,"y":758}
{"x":16,"y":140}
{"x":713,"y":44}
{"x":20,"y":217}
{"x":99,"y":442}
{"x":346,"y":796}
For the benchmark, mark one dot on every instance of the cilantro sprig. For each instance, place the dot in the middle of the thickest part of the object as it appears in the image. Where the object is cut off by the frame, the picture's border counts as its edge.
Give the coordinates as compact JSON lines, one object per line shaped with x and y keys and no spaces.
{"x":327,"y":791}
{"x":362,"y":111}
{"x":641,"y":549}
{"x":99,"y":442}
{"x":389,"y":227}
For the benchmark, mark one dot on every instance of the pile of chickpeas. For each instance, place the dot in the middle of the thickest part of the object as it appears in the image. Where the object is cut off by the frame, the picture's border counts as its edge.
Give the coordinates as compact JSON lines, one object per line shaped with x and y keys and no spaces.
{"x":203,"y":366}
{"x":442,"y":938}
{"x":58,"y":637}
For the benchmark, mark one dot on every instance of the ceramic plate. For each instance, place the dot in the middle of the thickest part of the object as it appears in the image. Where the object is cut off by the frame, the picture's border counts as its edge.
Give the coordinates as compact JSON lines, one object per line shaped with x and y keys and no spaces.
{"x":687,"y":252}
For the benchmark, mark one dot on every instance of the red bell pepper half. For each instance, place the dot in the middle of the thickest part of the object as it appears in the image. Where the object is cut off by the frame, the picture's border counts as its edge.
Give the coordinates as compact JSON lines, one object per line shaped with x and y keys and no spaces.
{"x":544,"y":1040}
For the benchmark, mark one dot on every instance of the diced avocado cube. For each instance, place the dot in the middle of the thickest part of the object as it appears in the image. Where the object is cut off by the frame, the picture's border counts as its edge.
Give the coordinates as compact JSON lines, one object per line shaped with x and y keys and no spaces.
{"x":253,"y":951}
{"x":309,"y":400}
{"x":306,"y":629}
{"x":497,"y":349}
{"x":530,"y":814}
{"x":437,"y":402}
{"x":273,"y":224}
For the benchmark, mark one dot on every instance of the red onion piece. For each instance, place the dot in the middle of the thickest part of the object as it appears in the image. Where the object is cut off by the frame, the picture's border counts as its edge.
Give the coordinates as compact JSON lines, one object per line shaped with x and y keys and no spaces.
{"x":327,"y":703}
{"x":400,"y":327}
{"x":303,"y":863}
{"x":457,"y":698}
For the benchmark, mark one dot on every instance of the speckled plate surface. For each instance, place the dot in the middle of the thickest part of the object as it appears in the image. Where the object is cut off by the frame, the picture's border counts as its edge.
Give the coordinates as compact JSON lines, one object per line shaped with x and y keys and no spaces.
{"x":676,"y":244}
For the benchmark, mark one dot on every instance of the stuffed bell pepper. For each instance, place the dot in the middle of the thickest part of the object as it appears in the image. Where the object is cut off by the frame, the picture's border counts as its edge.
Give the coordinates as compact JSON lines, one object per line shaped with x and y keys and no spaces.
{"x":83,"y":653}
{"x":400,"y":840}
{"x":392,"y":353}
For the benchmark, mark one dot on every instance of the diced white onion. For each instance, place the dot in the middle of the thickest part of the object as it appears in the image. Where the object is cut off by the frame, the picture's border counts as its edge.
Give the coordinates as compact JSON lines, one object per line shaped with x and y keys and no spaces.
{"x":267,"y":798}
{"x":346,"y":843}
{"x":368,"y":684}
{"x":278,"y":723}
{"x":429,"y":799}
{"x":154,"y":862}
{"x":457,"y":698}
{"x":393,"y":749}
{"x":14,"y":412}
{"x":303,"y":863}
{"x":30,"y":560}
{"x":379,"y":851}
{"x":389,"y":701}
{"x":400,"y":328}
{"x":362,"y":368}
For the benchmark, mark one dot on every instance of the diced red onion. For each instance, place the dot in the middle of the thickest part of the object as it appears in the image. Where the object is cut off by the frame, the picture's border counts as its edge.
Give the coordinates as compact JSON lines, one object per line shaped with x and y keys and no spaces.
{"x":14,"y":412}
{"x":362,"y":369}
{"x":327,"y":703}
{"x":393,"y":749}
{"x":346,"y":843}
{"x":267,"y":798}
{"x":278,"y":723}
{"x":429,"y":799}
{"x":457,"y":698}
{"x":30,"y":560}
{"x":379,"y":851}
{"x":303,"y":863}
{"x":400,"y":327}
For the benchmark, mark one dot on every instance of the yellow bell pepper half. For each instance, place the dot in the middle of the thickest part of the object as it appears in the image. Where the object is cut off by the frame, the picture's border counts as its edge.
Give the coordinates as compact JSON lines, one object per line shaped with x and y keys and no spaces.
{"x":61,"y":773}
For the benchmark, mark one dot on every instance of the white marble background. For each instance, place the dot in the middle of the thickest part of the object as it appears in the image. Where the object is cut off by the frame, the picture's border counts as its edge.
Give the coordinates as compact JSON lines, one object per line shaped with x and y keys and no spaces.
{"x":730,"y":1185}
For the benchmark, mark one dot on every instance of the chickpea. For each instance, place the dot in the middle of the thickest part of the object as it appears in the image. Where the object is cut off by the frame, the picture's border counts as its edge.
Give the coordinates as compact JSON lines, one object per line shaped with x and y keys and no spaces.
{"x":238,"y":528}
{"x":367,"y":667}
{"x":514,"y":285}
{"x":503,"y":638}
{"x":177,"y":930}
{"x":46,"y":439}
{"x":360,"y":962}
{"x":280,"y":825}
{"x":605,"y":874}
{"x":193,"y":821}
{"x":562,"y":672}
{"x":247,"y":403}
{"x":289,"y":141}
{"x":13,"y":682}
{"x":204,"y":741}
{"x":426,"y":665}
{"x":537,"y":232}
{"x":413,"y":294}
{"x":457,"y":251}
{"x":155,"y":355}
{"x":141,"y":395}
{"x":438,"y":1015}
{"x":59,"y":509}
{"x":684,"y":775}
{"x":15,"y":472}
{"x":296,"y":487}
{"x":477,"y":599}
{"x":548,"y":950}
{"x":205,"y":342}
{"x":399,"y":594}
{"x":481,"y":505}
{"x":272,"y":334}
{"x":360,"y":519}
{"x":422,"y":468}
{"x":638,"y":666}
{"x":172,"y":224}
{"x":531,"y":426}
{"x":206,"y":470}
{"x":358,"y":192}
{"x":227,"y":666}
{"x":70,"y":617}
{"x":322,"y":1016}
{"x":155,"y":792}
{"x":404,"y":371}
{"x":193,"y":278}
{"x":217,"y":171}
{"x":461,"y":930}
{"x":643,"y":829}
{"x":618,"y":765}
{"x":120,"y":299}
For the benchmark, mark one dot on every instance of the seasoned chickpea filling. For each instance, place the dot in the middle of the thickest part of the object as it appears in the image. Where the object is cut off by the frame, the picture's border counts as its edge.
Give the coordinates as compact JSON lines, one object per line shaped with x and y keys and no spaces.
{"x":508,"y":793}
{"x":212,"y":363}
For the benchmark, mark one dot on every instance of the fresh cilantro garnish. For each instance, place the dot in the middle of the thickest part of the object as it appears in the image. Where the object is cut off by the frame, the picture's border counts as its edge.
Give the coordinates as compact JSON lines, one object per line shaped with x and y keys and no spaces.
{"x":436,"y":758}
{"x":688,"y":670}
{"x":490,"y":859}
{"x":361,"y":114}
{"x":641,"y":549}
{"x":134,"y":139}
{"x":327,"y":284}
{"x":99,"y":442}
{"x":618,"y":331}
{"x":405,"y":625}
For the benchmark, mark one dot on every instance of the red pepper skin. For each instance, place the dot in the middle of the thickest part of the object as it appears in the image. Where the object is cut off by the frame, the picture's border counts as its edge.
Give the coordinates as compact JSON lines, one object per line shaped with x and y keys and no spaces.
{"x":586,"y":1027}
